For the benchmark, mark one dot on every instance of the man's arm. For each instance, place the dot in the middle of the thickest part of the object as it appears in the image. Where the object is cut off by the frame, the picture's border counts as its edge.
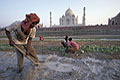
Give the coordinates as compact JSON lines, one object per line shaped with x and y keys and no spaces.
{"x":69,"y":44}
{"x":11,"y":42}
{"x":28,"y":45}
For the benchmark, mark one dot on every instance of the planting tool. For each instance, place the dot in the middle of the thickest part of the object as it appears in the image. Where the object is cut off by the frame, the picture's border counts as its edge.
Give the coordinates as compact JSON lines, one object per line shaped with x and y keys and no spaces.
{"x":27,"y":56}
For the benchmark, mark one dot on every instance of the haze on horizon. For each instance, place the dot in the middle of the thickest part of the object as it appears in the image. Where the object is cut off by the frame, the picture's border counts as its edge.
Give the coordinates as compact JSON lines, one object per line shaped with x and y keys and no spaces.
{"x":97,"y":11}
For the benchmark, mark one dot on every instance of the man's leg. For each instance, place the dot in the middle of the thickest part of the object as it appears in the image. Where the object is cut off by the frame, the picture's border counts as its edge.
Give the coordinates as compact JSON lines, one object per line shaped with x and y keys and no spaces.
{"x":33,"y":54}
{"x":74,"y":50}
{"x":63,"y":43}
{"x":20,"y":58}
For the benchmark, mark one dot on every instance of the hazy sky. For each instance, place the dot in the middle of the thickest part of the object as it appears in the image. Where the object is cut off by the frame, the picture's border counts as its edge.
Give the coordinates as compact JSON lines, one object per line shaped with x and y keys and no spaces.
{"x":97,"y":11}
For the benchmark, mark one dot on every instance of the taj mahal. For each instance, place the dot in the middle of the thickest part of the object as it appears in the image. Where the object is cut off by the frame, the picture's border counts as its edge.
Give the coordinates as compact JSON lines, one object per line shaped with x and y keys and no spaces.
{"x":69,"y":19}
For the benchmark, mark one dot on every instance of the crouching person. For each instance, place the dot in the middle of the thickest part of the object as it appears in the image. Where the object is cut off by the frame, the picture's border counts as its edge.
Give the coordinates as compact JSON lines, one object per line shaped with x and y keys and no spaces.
{"x":65,"y":42}
{"x":74,"y":47}
{"x":21,"y":34}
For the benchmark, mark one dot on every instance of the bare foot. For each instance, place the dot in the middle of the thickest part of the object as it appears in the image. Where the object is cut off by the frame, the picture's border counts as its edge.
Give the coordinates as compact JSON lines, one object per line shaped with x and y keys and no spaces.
{"x":76,"y":54}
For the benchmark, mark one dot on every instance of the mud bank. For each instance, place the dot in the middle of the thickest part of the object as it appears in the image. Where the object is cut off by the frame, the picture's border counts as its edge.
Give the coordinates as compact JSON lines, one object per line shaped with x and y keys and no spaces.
{"x":59,"y":68}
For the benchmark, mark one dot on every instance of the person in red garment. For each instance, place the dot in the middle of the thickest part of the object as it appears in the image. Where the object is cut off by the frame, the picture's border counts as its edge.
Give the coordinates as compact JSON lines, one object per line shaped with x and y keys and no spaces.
{"x":41,"y":38}
{"x":21,"y":34}
{"x":74,"y":47}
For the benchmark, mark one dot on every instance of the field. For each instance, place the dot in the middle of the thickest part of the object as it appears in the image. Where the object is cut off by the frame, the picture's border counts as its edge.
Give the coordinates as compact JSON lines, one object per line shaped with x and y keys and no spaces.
{"x":99,"y":39}
{"x":52,"y":45}
{"x":101,"y":60}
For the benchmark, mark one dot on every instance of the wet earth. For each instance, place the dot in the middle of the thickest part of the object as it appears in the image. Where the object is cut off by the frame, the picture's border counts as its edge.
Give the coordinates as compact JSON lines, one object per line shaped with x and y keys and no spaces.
{"x":60,"y":68}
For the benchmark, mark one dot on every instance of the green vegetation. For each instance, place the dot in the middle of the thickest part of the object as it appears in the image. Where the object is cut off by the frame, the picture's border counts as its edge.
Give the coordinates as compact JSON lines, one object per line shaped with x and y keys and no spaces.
{"x":2,"y":36}
{"x":5,"y":47}
{"x":88,"y":48}
{"x":101,"y":49}
{"x":113,"y":49}
{"x":61,"y":49}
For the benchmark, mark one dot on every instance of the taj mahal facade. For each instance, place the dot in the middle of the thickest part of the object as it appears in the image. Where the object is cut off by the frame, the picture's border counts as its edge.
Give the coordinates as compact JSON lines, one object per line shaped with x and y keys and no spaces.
{"x":69,"y":19}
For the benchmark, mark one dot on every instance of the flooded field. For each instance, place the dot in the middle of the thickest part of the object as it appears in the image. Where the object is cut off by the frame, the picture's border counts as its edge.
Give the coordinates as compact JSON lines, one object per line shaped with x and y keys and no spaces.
{"x":59,"y":68}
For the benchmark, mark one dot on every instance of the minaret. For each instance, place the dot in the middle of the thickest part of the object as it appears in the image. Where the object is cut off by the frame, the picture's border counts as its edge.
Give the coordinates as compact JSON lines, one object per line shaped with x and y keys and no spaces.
{"x":109,"y":21}
{"x":83,"y":16}
{"x":77,"y":20}
{"x":50,"y":19}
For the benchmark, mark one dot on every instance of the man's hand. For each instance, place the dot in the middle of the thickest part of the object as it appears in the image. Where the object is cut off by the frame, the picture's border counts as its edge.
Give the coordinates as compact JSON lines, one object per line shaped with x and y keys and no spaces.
{"x":28,"y":46}
{"x":11,"y":42}
{"x":8,"y":33}
{"x":27,"y":52}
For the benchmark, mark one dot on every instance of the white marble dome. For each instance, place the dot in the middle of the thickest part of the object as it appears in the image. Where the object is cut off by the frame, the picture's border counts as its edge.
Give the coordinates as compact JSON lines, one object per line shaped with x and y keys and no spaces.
{"x":69,"y":12}
{"x":69,"y":18}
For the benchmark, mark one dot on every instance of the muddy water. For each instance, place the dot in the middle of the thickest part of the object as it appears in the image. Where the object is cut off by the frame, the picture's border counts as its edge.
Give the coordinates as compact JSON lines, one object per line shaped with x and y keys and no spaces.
{"x":59,"y":68}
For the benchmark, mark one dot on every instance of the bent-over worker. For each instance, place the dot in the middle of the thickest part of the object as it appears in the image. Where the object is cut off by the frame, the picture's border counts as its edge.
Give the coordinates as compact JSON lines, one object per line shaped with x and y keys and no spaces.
{"x":21,"y":34}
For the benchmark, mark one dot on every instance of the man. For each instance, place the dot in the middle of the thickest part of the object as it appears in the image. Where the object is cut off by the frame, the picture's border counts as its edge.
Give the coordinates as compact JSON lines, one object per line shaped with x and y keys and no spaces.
{"x":65,"y":42}
{"x":21,"y":34}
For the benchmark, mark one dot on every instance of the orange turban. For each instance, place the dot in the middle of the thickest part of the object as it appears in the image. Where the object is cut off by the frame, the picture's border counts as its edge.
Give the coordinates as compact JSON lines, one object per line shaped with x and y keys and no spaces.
{"x":30,"y":18}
